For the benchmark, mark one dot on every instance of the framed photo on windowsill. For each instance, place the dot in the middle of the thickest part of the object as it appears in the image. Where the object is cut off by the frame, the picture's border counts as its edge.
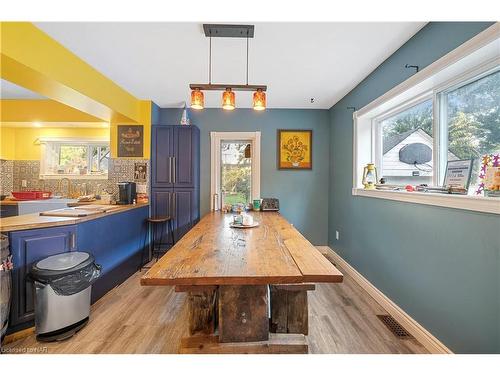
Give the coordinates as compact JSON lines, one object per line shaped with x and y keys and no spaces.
{"x":458,"y":174}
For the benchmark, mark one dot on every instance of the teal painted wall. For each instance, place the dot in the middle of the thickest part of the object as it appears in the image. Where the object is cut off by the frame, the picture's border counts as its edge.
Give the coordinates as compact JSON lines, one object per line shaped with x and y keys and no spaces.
{"x":440,"y":265}
{"x":303,"y":194}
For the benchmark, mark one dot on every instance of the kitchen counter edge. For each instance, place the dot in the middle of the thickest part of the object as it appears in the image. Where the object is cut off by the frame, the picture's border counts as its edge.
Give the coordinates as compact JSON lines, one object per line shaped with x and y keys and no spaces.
{"x":35,"y":221}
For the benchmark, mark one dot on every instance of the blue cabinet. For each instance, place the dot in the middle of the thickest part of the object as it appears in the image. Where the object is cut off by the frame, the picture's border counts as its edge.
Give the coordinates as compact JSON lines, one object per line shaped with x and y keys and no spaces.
{"x":7,"y":210}
{"x":175,"y":176}
{"x":27,"y":247}
{"x":162,"y":157}
{"x":116,"y":241}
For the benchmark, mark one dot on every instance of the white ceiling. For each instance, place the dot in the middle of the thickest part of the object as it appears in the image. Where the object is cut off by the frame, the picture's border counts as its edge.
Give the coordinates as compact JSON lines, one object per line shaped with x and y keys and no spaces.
{"x":8,"y":90}
{"x":298,"y":61}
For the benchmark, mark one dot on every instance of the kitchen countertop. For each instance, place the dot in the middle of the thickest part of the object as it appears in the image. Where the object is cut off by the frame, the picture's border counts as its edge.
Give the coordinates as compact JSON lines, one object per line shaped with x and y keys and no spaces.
{"x":12,"y":202}
{"x":35,"y":221}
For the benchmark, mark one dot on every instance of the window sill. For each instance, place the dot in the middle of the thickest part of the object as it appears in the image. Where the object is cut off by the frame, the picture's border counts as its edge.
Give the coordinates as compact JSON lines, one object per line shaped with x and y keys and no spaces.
{"x":463,"y":202}
{"x":74,"y":176}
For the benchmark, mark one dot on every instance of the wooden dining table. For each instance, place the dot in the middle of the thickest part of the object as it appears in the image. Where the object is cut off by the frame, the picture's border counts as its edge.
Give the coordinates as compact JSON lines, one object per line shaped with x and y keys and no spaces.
{"x":247,"y":288}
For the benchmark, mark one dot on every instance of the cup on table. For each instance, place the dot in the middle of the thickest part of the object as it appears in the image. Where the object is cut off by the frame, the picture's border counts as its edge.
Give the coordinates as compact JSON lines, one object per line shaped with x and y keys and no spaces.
{"x":247,"y":220}
{"x":238,"y":219}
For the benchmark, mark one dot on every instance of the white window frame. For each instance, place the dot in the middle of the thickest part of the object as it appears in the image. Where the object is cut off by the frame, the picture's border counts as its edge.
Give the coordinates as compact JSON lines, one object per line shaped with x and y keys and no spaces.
{"x":215,"y":163}
{"x":377,"y":128}
{"x":477,"y":57}
{"x":56,"y":143}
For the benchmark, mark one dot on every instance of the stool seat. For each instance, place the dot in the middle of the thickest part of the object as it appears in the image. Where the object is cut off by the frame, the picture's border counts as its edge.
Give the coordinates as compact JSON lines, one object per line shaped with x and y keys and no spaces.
{"x":163,"y":219}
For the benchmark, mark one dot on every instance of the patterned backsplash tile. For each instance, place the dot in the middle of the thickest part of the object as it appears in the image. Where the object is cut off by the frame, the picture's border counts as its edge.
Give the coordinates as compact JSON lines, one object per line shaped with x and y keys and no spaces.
{"x":14,"y":172}
{"x":7,"y":176}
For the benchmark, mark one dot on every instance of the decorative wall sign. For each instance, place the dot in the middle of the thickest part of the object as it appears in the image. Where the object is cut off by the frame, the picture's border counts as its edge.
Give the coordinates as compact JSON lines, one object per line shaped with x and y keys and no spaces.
{"x":458,"y":173}
{"x":140,"y":172}
{"x":130,"y":140}
{"x":294,"y":149}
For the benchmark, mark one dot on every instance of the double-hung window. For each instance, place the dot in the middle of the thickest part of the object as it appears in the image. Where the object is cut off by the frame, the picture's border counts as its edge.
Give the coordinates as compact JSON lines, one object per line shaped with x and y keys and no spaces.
{"x":448,"y":111}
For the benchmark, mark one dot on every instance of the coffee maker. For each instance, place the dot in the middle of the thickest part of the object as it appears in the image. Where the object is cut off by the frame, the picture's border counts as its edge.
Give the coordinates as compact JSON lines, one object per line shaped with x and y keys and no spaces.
{"x":126,"y":192}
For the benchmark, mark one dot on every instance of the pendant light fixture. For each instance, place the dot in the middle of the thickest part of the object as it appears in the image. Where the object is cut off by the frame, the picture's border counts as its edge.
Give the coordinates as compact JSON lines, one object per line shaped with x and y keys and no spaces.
{"x":197,"y":99}
{"x":228,"y":99}
{"x":228,"y":95}
{"x":259,"y":100}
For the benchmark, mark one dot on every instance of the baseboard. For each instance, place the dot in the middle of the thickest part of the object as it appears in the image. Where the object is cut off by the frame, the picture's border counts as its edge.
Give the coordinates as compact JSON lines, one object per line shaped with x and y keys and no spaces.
{"x":431,"y":343}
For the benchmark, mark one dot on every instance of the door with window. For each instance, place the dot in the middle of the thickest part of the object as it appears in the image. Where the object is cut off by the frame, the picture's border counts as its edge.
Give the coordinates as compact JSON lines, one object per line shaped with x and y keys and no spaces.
{"x":235,"y":171}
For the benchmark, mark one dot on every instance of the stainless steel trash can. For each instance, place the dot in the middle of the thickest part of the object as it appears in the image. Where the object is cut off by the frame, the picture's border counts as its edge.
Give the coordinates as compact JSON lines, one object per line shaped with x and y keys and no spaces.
{"x":63,"y":285}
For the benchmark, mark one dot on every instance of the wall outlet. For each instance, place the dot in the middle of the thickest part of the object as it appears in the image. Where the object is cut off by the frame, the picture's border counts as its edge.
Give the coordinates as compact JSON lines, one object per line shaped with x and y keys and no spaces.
{"x":24,"y":183}
{"x":337,"y":235}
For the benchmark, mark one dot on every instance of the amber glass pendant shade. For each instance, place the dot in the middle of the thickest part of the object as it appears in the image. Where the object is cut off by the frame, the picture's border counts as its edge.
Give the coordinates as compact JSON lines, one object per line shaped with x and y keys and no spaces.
{"x":197,"y":99}
{"x":228,"y":100}
{"x":259,"y":100}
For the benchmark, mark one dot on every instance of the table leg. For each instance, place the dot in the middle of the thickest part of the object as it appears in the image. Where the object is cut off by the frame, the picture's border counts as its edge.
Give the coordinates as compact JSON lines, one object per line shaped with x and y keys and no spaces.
{"x":242,"y":325}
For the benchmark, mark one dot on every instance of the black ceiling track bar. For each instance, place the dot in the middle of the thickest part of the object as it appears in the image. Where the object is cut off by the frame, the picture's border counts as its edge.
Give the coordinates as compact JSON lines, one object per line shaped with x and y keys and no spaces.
{"x":228,"y":31}
{"x":222,"y":87}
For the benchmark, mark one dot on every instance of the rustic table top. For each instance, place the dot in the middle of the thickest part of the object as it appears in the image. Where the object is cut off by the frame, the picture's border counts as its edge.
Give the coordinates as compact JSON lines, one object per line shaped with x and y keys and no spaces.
{"x":213,"y":253}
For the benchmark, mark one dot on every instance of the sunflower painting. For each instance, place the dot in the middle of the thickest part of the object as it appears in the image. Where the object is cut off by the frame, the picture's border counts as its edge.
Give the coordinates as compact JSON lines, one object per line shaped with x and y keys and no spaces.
{"x":294,"y":149}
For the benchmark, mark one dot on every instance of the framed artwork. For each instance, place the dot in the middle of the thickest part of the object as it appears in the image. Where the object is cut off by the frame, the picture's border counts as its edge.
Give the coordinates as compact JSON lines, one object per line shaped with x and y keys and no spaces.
{"x":140,"y":172}
{"x":294,"y":149}
{"x":130,"y":141}
{"x":458,"y":173}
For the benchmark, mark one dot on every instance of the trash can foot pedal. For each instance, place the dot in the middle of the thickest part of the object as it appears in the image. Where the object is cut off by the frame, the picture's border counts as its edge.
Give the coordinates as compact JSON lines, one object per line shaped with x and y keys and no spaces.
{"x":64,"y":333}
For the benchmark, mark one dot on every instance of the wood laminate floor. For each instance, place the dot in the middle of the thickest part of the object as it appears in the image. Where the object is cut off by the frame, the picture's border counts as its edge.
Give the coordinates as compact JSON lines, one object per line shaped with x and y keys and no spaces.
{"x":137,"y":319}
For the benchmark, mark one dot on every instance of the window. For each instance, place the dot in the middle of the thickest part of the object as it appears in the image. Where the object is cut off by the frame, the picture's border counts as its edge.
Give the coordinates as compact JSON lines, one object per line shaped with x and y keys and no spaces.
{"x":407,"y":144}
{"x":448,"y":111}
{"x":74,"y":157}
{"x":472,"y":121}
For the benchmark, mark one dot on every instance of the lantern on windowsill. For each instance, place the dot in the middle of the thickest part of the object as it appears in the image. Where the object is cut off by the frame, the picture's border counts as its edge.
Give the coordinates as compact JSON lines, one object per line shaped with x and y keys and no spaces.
{"x":369,"y":176}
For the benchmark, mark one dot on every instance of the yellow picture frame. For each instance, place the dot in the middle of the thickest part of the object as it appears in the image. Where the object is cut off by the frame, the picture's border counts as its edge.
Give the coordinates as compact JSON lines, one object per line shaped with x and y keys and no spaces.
{"x":294,"y":149}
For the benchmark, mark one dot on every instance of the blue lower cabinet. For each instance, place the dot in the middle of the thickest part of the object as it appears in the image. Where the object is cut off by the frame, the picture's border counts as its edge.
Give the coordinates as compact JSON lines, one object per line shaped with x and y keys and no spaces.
{"x":27,"y":247}
{"x":116,"y":242}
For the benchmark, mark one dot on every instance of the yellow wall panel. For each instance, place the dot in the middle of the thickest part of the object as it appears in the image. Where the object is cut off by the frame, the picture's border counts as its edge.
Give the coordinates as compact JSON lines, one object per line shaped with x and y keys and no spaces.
{"x":32,"y":59}
{"x":22,"y":142}
{"x":7,"y":144}
{"x":41,"y":110}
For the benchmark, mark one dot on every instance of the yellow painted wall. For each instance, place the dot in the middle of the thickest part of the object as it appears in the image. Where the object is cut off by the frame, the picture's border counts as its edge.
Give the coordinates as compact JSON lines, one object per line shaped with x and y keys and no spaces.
{"x":32,"y":59}
{"x":20,"y":143}
{"x":7,"y":142}
{"x":25,"y":111}
{"x":41,"y":110}
{"x":145,"y":120}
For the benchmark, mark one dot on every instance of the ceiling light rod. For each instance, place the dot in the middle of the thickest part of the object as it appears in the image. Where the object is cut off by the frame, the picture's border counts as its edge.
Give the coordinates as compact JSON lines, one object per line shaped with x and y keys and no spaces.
{"x":222,"y":87}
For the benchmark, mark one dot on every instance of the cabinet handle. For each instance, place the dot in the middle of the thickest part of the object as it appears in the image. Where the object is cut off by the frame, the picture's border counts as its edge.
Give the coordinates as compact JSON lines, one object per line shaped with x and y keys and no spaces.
{"x":173,"y":158}
{"x":169,"y":169}
{"x":73,"y":241}
{"x":173,"y":205}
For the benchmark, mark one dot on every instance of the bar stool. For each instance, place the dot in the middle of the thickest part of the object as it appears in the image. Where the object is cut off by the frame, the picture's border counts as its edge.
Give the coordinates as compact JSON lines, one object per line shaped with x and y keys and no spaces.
{"x":157,"y":226}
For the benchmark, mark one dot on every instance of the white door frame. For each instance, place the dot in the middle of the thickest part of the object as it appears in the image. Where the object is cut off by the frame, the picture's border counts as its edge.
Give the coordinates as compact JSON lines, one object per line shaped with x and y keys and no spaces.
{"x":215,"y":167}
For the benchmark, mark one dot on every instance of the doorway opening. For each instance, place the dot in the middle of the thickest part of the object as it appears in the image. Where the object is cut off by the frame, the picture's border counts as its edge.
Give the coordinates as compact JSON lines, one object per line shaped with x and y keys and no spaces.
{"x":235,"y":172}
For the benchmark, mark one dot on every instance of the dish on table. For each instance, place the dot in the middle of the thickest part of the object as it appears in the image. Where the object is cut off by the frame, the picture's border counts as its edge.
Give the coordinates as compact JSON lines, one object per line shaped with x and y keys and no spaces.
{"x":234,"y":225}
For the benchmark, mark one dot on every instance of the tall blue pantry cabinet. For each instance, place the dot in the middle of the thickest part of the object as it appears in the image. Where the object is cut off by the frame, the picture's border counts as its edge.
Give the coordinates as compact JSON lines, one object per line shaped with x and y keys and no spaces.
{"x":175,"y":176}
